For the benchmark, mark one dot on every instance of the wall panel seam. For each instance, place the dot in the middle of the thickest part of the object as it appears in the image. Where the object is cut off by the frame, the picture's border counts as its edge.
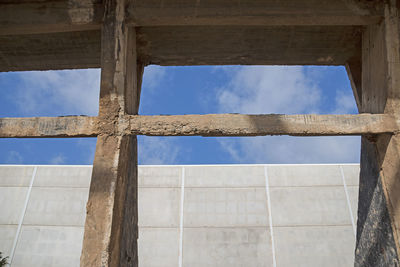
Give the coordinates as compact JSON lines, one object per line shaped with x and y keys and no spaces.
{"x":270,"y":216}
{"x":348,"y":201}
{"x":17,"y":235}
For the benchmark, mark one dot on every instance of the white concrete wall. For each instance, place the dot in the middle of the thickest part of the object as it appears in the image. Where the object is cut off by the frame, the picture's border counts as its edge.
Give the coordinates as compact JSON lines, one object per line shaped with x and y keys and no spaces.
{"x":223,"y":215}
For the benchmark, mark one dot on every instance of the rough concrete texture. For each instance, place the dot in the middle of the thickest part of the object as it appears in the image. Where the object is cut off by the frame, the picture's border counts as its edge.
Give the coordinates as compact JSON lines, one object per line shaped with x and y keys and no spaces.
{"x":361,"y":34}
{"x":225,"y":219}
{"x":38,"y":35}
{"x":258,"y":125}
{"x":378,"y":227}
{"x":198,"y":125}
{"x":375,"y":241}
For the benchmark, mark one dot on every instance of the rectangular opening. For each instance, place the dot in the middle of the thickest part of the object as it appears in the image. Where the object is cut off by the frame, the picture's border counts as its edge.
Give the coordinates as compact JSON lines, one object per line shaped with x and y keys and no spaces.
{"x":247,"y":90}
{"x":49,"y":93}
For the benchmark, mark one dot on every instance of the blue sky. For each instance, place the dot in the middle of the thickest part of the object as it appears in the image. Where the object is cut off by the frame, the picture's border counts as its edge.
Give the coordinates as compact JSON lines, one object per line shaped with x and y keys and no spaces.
{"x":187,"y":90}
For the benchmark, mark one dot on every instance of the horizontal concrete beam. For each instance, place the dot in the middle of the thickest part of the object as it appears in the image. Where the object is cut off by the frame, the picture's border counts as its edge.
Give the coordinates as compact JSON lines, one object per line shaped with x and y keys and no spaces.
{"x":202,"y":125}
{"x":254,"y":12}
{"x":248,"y":45}
{"x":21,"y":17}
{"x":70,"y":126}
{"x":259,"y":125}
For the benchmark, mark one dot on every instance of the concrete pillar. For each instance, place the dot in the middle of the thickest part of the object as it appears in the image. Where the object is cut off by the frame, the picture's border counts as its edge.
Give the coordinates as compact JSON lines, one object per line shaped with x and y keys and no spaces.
{"x":379,"y":195}
{"x":111,"y":232}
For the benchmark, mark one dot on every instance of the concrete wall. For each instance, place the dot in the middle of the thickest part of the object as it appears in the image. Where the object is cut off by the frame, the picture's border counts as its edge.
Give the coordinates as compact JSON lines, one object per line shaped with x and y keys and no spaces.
{"x":223,"y":215}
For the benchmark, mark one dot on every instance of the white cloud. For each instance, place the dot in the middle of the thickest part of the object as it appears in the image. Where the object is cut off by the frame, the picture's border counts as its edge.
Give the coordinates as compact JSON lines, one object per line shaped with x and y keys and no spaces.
{"x":14,"y":157}
{"x":153,"y":75}
{"x":268,"y":89}
{"x":58,"y":160}
{"x":157,"y":150}
{"x":288,"y":90}
{"x":345,"y":103}
{"x":70,"y":92}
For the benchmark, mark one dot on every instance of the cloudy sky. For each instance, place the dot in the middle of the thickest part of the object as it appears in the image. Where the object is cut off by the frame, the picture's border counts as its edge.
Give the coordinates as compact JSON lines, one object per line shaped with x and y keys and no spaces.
{"x":187,"y":90}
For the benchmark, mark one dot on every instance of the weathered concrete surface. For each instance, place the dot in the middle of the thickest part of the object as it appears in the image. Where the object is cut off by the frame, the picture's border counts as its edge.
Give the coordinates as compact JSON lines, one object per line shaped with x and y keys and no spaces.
{"x":253,"y":12}
{"x":252,"y":33}
{"x":203,"y":125}
{"x":375,"y":242}
{"x":256,"y":125}
{"x":65,"y":34}
{"x":111,"y":230}
{"x":248,"y":45}
{"x":68,"y":126}
{"x":27,"y":17}
{"x":54,"y":51}
{"x":230,"y":45}
{"x":379,"y":210}
{"x":111,"y":222}
{"x":20,"y":17}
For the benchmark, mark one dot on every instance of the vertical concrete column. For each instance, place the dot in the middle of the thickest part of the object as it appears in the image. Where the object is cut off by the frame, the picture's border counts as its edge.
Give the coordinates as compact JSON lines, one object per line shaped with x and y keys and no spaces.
{"x":111,"y":230}
{"x":379,"y":198}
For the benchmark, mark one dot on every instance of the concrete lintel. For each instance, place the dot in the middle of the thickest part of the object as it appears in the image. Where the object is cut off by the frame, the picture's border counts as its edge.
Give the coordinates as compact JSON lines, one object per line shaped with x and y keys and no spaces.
{"x":199,"y":125}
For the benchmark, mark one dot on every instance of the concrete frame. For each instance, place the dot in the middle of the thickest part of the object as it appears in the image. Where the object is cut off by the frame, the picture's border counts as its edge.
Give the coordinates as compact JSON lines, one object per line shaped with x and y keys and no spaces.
{"x":135,"y":33}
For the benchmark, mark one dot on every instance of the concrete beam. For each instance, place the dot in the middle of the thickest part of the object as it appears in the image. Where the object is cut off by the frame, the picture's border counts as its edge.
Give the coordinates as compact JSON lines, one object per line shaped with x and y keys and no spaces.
{"x":201,"y":125}
{"x":65,"y":34}
{"x":254,"y":12}
{"x":33,"y":17}
{"x":249,"y":45}
{"x":378,"y":226}
{"x":111,"y":229}
{"x":53,"y":51}
{"x":229,"y":45}
{"x":71,"y":126}
{"x":259,"y":125}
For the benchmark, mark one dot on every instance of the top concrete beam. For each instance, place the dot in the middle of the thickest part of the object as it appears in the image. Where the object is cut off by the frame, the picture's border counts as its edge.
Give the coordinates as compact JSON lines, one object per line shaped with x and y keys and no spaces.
{"x":65,"y":34}
{"x":189,"y":45}
{"x":254,"y":12}
{"x":32,"y":17}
